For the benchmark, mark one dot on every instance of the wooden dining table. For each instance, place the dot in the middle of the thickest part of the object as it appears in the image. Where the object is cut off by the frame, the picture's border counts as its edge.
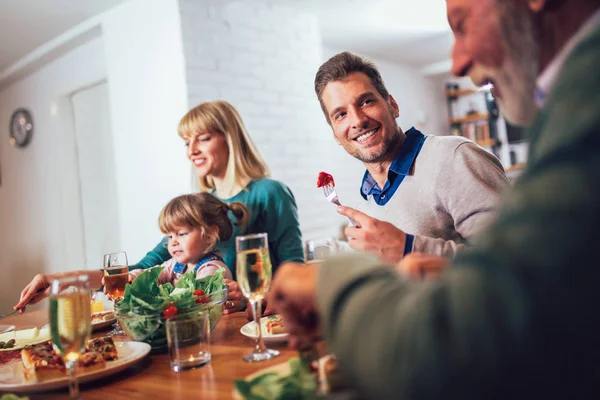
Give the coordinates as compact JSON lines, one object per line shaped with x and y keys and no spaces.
{"x":153,"y":378}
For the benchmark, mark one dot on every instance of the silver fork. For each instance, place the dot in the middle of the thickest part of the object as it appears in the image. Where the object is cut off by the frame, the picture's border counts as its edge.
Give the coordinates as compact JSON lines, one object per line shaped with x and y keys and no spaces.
{"x":331,"y":195}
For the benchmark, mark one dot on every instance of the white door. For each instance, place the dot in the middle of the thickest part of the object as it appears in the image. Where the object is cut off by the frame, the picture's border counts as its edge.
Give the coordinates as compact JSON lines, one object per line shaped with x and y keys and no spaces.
{"x":96,"y":173}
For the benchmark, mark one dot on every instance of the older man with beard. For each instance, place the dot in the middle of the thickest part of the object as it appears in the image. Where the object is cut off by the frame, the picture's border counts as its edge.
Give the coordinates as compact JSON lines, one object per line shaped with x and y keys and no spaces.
{"x":516,"y":317}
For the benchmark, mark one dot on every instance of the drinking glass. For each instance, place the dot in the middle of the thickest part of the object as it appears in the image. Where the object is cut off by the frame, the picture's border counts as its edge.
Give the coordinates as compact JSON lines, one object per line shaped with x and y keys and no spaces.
{"x":70,"y":323}
{"x":254,"y":274}
{"x":320,"y":249}
{"x":116,"y":276}
{"x":188,"y":338}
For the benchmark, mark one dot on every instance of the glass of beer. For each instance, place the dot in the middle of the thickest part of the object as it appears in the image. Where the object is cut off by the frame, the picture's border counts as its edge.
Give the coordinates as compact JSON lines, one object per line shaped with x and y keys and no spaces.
{"x":116,"y":277}
{"x":254,"y":274}
{"x":70,"y":323}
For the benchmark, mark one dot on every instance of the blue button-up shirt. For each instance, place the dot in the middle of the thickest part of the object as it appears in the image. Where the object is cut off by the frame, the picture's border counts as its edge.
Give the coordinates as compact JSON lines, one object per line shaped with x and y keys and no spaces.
{"x":399,"y":168}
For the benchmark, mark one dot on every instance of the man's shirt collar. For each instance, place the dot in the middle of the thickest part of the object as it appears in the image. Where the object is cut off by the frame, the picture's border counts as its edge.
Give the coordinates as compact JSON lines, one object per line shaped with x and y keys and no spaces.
{"x":405,"y":157}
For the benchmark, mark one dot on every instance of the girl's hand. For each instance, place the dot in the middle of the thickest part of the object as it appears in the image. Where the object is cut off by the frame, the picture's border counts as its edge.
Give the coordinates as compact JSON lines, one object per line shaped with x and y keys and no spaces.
{"x":236,"y":300}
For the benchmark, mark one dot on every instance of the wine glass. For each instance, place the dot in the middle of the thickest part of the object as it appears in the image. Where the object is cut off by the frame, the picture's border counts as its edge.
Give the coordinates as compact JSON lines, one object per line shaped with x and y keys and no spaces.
{"x":254,"y":274}
{"x":116,"y":277}
{"x":70,"y":323}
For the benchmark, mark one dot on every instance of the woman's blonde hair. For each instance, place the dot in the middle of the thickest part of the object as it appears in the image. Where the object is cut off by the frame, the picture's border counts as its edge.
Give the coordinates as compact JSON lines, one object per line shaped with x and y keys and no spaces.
{"x":204,"y":211}
{"x":245,"y":162}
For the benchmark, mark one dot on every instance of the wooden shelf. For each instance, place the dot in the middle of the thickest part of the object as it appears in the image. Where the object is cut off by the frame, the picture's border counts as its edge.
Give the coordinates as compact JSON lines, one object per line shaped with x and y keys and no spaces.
{"x":461,"y":92}
{"x":515,"y":167}
{"x":486,"y":142}
{"x":468,"y":118}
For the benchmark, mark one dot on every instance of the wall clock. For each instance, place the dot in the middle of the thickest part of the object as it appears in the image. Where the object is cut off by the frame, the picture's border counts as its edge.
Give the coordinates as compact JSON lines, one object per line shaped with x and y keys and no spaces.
{"x":21,"y":128}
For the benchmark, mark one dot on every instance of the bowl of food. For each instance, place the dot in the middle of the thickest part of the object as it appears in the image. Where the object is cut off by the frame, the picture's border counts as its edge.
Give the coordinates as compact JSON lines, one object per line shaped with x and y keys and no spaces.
{"x":146,"y":305}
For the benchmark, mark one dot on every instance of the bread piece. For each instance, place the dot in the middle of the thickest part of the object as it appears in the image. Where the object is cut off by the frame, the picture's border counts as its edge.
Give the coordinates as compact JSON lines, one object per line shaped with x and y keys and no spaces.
{"x":105,"y":346}
{"x":330,"y":377}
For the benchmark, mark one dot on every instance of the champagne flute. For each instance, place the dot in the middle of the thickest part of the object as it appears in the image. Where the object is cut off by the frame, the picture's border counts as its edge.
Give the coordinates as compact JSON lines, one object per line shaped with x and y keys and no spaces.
{"x":254,"y":273}
{"x":116,"y":277}
{"x":70,"y":323}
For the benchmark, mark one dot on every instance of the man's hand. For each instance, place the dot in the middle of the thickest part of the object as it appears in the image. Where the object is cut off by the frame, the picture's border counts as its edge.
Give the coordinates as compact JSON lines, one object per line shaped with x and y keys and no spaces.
{"x":37,"y":290}
{"x":421,"y":266}
{"x":374,"y":236}
{"x":293,"y":295}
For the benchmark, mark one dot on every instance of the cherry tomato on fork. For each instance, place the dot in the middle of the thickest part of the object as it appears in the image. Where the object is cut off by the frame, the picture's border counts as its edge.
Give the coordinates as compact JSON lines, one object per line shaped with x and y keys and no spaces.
{"x":170,"y":312}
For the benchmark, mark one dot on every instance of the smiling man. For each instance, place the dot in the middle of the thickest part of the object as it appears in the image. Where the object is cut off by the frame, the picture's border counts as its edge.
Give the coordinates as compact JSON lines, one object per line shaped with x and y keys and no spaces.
{"x":516,"y":317}
{"x":427,"y":194}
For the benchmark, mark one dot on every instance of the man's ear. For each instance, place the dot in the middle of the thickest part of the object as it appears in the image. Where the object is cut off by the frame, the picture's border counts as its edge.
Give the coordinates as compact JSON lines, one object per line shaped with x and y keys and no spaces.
{"x":536,"y":5}
{"x":394,"y":105}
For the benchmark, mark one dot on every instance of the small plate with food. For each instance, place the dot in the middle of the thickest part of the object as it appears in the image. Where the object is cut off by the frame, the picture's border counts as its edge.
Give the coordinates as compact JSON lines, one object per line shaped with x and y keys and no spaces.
{"x":273,"y":330}
{"x":102,"y":319}
{"x":39,"y":368}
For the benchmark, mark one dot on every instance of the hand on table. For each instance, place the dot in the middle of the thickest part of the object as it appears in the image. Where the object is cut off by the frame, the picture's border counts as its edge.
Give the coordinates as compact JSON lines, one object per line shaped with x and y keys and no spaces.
{"x":37,"y":290}
{"x":421,"y":266}
{"x":236,"y":300}
{"x":374,"y":236}
{"x":293,"y":294}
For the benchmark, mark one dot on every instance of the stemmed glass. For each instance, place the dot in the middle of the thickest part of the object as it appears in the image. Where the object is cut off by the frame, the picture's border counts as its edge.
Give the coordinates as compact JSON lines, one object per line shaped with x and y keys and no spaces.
{"x":116,"y":276}
{"x":254,"y":274}
{"x":70,"y":323}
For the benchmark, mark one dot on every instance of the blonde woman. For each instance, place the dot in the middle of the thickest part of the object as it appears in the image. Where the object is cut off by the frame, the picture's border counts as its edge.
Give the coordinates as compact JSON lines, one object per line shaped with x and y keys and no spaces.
{"x":229,"y":166}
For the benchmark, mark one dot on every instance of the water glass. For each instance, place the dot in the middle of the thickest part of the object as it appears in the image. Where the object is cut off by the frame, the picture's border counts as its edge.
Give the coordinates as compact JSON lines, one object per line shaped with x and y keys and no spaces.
{"x":188,"y":340}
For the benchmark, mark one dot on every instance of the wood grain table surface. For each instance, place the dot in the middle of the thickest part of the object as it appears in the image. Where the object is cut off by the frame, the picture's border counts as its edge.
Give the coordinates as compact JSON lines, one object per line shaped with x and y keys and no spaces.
{"x":152,"y":377}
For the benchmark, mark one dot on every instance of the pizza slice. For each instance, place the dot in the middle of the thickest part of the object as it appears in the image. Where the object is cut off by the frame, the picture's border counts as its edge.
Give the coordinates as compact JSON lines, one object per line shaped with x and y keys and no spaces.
{"x":90,"y":361}
{"x":104,"y":346}
{"x":41,"y":363}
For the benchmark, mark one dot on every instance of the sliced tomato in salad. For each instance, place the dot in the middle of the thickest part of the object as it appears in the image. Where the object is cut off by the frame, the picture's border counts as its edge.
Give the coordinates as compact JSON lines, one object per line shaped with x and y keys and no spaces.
{"x":170,"y":311}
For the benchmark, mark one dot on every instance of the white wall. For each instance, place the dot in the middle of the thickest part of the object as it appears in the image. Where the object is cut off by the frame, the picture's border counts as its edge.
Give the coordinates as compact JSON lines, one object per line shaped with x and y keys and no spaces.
{"x":147,"y":93}
{"x":40,"y":221}
{"x":262,"y":58}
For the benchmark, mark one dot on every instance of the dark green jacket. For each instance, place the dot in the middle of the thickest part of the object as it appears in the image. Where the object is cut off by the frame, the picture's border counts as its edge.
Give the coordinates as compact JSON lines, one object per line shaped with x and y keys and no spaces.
{"x":518,"y":317}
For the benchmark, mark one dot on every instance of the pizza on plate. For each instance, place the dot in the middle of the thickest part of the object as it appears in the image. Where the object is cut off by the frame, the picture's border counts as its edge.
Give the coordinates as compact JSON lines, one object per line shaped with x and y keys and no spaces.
{"x":41,"y":362}
{"x":103,"y":346}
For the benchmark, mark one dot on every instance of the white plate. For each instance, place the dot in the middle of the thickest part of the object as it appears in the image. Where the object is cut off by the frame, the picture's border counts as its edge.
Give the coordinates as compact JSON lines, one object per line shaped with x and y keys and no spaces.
{"x":96,"y":326}
{"x":23,"y":337}
{"x":249,"y":330}
{"x":6,"y":328}
{"x":12,"y":379}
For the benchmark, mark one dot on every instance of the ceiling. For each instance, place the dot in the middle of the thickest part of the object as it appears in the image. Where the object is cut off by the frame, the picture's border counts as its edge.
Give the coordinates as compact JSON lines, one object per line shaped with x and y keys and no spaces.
{"x":27,"y":24}
{"x":416,"y":33}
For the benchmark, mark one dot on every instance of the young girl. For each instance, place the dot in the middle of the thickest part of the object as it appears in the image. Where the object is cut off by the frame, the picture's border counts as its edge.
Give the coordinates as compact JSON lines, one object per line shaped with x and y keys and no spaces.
{"x":194,"y":224}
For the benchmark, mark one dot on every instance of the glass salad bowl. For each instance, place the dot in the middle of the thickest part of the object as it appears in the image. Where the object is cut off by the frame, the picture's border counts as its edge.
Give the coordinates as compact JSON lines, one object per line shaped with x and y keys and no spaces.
{"x":148,"y":325}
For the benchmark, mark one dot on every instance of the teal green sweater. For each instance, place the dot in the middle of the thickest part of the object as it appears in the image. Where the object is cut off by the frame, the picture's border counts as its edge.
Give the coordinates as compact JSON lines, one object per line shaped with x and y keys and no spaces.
{"x":272,"y":210}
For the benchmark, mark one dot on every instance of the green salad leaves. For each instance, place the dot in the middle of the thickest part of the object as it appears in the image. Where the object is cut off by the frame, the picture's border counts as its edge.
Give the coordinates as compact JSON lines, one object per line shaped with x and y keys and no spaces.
{"x":145,"y":294}
{"x":140,"y":311}
{"x":299,"y":384}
